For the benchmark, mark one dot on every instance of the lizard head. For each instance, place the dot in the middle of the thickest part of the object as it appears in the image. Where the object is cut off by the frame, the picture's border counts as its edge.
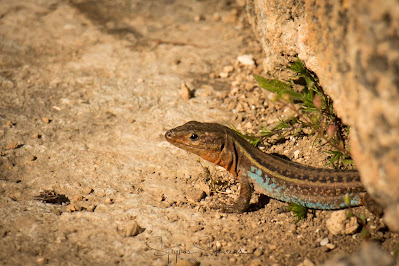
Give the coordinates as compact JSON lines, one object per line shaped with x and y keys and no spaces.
{"x":204,"y":139}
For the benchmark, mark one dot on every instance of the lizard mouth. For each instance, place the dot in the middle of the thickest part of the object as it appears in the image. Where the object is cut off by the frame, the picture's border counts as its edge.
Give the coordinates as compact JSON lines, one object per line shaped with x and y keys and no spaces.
{"x":178,"y":141}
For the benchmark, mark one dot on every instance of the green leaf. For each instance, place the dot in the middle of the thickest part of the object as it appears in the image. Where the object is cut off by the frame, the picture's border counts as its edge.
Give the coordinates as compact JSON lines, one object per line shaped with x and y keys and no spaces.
{"x":294,"y":95}
{"x":272,"y":85}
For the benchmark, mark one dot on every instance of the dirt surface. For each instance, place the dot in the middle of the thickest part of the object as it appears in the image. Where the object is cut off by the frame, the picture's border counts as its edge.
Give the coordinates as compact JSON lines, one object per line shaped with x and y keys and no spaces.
{"x":88,"y":88}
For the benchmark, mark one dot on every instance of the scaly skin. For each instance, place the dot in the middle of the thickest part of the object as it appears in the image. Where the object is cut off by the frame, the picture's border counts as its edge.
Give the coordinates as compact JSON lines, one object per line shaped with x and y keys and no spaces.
{"x":268,"y":174}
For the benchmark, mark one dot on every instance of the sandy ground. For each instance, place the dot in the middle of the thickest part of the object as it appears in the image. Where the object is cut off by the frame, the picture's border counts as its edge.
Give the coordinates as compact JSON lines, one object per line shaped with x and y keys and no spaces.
{"x":88,"y":88}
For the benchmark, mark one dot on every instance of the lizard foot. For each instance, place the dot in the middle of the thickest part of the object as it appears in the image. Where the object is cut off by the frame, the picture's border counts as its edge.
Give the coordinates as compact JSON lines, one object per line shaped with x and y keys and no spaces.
{"x":234,"y":208}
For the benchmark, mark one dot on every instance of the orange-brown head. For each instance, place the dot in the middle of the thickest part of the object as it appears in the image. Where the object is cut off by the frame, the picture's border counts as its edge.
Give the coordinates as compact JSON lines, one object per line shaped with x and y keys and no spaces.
{"x":204,"y":139}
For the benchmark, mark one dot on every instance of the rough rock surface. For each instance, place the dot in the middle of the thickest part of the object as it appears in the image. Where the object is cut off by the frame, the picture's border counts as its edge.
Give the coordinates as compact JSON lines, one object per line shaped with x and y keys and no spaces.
{"x":353,"y":47}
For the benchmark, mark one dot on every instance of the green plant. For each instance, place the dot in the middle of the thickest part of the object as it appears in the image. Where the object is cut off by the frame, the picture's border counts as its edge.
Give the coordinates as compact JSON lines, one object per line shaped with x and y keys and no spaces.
{"x":298,"y":210}
{"x":313,"y":113}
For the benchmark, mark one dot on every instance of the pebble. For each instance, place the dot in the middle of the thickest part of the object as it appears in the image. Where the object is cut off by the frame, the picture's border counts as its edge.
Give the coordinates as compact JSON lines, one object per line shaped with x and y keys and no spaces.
{"x":36,"y":136}
{"x":339,"y":224}
{"x":87,"y":190}
{"x":77,"y":198}
{"x":9,"y":124}
{"x":246,"y":60}
{"x":216,"y":17}
{"x":324,"y":241}
{"x":258,"y":253}
{"x":91,"y":208}
{"x":196,"y":228}
{"x":73,"y":207}
{"x":292,"y":228}
{"x":296,"y":154}
{"x":185,"y":92}
{"x":42,"y":260}
{"x":14,"y":145}
{"x":132,"y":229}
{"x":46,"y":120}
{"x":228,"y":69}
{"x":223,"y":75}
{"x":196,"y":195}
{"x":109,"y":201}
{"x":256,"y":262}
{"x":218,"y":246}
{"x":330,"y":246}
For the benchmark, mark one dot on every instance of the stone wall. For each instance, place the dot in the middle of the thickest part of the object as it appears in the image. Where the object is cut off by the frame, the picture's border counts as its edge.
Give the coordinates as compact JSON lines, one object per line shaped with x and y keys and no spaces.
{"x":353,"y":47}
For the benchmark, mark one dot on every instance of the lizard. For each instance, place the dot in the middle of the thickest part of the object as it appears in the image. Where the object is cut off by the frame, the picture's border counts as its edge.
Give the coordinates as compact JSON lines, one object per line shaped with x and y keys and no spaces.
{"x":268,"y":174}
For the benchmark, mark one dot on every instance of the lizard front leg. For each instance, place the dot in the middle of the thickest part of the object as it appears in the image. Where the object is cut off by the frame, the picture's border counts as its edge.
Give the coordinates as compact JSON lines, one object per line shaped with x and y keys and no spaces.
{"x":242,"y":202}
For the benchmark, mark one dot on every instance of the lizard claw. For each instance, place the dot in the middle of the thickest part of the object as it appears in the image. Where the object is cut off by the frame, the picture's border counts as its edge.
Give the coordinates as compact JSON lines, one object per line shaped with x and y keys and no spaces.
{"x":234,"y":208}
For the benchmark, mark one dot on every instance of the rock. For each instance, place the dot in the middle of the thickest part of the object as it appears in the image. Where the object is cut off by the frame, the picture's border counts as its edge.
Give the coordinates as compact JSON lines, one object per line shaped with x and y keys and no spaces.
{"x":74,"y":206}
{"x":324,"y":241}
{"x":41,"y":260}
{"x":338,"y":223}
{"x":196,"y":195}
{"x":246,"y":60}
{"x":185,"y":92}
{"x":132,"y":229}
{"x":109,"y":200}
{"x":356,"y":65}
{"x":87,"y":190}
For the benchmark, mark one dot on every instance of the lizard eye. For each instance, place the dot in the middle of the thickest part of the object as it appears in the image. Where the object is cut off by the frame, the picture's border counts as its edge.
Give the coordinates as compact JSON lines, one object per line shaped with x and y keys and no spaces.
{"x":194,"y":136}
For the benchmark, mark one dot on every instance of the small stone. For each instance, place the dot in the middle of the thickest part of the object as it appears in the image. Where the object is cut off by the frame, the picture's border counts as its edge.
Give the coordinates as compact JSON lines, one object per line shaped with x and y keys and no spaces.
{"x":36,"y":136}
{"x":199,"y":18}
{"x":212,"y":75}
{"x":292,"y":228}
{"x":196,"y":195}
{"x":133,"y":229}
{"x":91,"y":208}
{"x":77,"y":198}
{"x":224,"y":75}
{"x":176,"y":61}
{"x":218,"y":246}
{"x":256,"y":262}
{"x":9,"y":124}
{"x":228,"y":69}
{"x":216,"y":17}
{"x":41,"y":260}
{"x":296,"y":154}
{"x":162,"y":197}
{"x":73,"y":207}
{"x":339,"y":224}
{"x":330,"y":246}
{"x":324,"y":241}
{"x":335,"y":224}
{"x":140,"y":80}
{"x":32,"y":158}
{"x":46,"y":120}
{"x":258,"y":253}
{"x":14,"y":145}
{"x":57,"y":108}
{"x":246,"y":60}
{"x":196,"y":228}
{"x":109,"y":201}
{"x":87,"y":190}
{"x":351,"y":226}
{"x":185,"y":92}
